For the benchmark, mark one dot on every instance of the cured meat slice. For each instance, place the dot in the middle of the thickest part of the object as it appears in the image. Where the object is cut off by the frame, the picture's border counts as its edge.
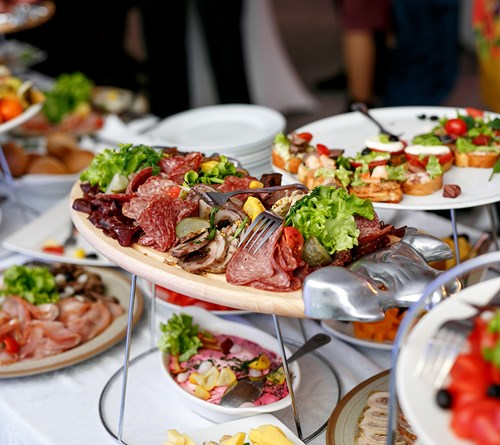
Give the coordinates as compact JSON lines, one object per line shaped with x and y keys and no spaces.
{"x":232,"y":183}
{"x":92,"y":322}
{"x":159,"y":218}
{"x":177,"y":166}
{"x":154,"y":185}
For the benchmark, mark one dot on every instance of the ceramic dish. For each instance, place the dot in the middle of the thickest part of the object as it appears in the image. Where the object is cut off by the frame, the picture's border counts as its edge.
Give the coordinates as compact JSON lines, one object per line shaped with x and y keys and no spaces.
{"x":218,"y":413}
{"x":47,"y":185}
{"x":349,"y":131}
{"x":223,"y":128}
{"x":117,"y":285}
{"x":417,"y":398}
{"x":215,"y":432}
{"x":54,"y":224}
{"x":342,"y":425}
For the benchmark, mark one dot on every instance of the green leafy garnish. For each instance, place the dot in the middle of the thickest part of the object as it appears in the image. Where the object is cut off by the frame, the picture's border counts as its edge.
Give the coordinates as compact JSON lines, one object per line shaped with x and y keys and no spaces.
{"x":69,"y":92}
{"x":328,"y":214}
{"x":124,"y":160}
{"x":35,"y":284}
{"x":426,"y":139}
{"x":180,"y":337}
{"x":433,"y":167}
{"x":215,"y":175}
{"x":496,"y":169}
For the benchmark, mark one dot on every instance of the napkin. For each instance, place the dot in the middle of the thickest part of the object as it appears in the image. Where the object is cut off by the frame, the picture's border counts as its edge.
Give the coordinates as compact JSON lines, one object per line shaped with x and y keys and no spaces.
{"x":115,"y":131}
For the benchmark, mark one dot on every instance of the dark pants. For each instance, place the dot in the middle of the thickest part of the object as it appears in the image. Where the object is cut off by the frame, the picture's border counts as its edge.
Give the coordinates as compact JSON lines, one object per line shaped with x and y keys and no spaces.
{"x":164,"y":24}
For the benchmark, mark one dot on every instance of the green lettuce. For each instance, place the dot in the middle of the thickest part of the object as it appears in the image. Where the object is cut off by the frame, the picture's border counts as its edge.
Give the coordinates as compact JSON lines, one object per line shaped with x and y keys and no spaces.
{"x":433,"y":167}
{"x":124,"y":160}
{"x":426,"y":139}
{"x":180,"y":337}
{"x":328,"y":214}
{"x":35,"y":284}
{"x":215,"y":175}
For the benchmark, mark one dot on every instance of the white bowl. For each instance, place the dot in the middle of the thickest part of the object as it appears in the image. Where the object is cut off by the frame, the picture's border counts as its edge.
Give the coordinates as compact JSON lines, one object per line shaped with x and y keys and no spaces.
{"x":217,"y":413}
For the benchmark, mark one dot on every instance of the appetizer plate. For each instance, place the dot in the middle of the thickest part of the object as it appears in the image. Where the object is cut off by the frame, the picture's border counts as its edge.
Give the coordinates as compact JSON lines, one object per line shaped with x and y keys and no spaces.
{"x":54,"y":224}
{"x":150,"y":265}
{"x":215,"y":432}
{"x":342,"y":425}
{"x":117,"y":285}
{"x":223,"y":128}
{"x":147,"y":289}
{"x":349,"y":131}
{"x":417,"y":398}
{"x":23,"y":117}
{"x":345,"y":331}
{"x":217,"y":413}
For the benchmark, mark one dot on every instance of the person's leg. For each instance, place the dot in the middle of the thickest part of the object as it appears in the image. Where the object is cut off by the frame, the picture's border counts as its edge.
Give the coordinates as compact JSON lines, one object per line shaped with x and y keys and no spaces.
{"x":164,"y":28}
{"x":221,"y":23}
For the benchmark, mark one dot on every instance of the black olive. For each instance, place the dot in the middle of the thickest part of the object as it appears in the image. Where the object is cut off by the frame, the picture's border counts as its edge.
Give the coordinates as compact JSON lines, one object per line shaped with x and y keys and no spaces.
{"x":422,"y":116}
{"x":493,"y":391}
{"x":91,"y":256}
{"x":434,"y":118}
{"x":393,"y":138}
{"x":443,"y":398}
{"x":366,"y":151}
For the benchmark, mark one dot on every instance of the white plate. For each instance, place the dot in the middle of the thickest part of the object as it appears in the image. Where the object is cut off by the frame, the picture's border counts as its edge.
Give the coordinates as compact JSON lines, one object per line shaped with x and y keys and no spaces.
{"x":345,"y":331}
{"x":215,"y":432}
{"x":214,"y":324}
{"x":53,"y":185}
{"x":54,"y":224}
{"x":417,"y":398}
{"x":117,"y":285}
{"x":23,"y":117}
{"x":146,"y":288}
{"x":223,"y":128}
{"x":349,"y":131}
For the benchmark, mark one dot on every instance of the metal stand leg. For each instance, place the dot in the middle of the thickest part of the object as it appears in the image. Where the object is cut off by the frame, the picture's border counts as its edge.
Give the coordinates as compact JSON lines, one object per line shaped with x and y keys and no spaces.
{"x":287,"y":375}
{"x":127,"y":356}
{"x":493,"y":223}
{"x":455,"y":235}
{"x":152,"y":316}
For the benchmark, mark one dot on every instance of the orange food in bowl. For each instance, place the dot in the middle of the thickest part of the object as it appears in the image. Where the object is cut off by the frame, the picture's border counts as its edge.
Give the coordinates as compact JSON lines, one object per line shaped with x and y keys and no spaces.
{"x":10,"y":107}
{"x":380,"y":331}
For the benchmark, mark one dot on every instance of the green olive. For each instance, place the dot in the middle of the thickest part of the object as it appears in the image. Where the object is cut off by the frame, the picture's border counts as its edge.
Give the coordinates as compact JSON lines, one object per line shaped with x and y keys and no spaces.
{"x":189,"y":225}
{"x":314,"y":253}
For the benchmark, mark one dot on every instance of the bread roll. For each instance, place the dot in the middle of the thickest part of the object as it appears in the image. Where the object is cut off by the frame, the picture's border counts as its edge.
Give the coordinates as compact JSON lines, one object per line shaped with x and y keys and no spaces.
{"x":60,"y":145}
{"x":47,"y":165}
{"x":17,"y":158}
{"x":77,"y":160}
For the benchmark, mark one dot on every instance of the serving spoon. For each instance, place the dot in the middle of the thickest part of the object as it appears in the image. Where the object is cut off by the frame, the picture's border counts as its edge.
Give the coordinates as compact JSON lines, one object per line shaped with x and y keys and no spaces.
{"x":247,"y":390}
{"x":363,"y":109}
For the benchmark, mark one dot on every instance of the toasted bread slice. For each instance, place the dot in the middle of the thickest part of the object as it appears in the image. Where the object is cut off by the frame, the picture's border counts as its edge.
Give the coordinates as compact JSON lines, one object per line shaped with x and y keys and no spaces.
{"x":479,"y":159}
{"x":388,"y":191}
{"x":421,"y":184}
{"x":291,"y":165}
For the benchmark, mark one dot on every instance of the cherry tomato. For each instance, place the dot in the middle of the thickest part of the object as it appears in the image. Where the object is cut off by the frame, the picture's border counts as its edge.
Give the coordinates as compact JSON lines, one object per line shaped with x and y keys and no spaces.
{"x":173,"y":192}
{"x":11,"y":345}
{"x":10,"y":108}
{"x":322,"y":150}
{"x":422,"y":163}
{"x":455,"y":127}
{"x":474,"y":112}
{"x":56,"y":250}
{"x":482,"y":139}
{"x":294,"y":240}
{"x":306,"y":136}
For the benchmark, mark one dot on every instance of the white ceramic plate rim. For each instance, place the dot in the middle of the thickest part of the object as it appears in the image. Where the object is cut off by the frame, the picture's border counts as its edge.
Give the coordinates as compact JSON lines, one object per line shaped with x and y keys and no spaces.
{"x":53,"y":224}
{"x":216,"y":324}
{"x":350,"y":130}
{"x":215,"y":432}
{"x":345,"y":331}
{"x":117,"y":285}
{"x":27,"y":114}
{"x":169,"y":129}
{"x":146,"y":289}
{"x":417,"y":399}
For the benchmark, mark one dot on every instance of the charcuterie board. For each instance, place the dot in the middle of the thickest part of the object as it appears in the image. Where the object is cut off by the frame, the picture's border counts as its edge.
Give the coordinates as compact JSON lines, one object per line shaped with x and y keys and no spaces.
{"x":150,"y":265}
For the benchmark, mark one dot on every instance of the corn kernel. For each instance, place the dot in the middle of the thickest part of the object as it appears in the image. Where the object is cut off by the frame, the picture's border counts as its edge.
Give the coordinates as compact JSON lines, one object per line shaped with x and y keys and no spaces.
{"x":79,"y":253}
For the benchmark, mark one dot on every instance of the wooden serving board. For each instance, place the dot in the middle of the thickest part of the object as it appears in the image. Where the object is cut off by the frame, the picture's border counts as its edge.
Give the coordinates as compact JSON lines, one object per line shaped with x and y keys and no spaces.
{"x":150,"y":265}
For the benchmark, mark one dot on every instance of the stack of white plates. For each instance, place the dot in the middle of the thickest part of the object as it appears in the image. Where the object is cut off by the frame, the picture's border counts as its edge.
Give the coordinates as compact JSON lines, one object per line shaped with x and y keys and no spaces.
{"x":242,"y":132}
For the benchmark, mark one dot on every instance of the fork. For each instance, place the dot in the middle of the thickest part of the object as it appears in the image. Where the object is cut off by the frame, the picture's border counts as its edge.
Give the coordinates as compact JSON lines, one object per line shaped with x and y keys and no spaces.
{"x":260,"y":230}
{"x":363,"y":109}
{"x":447,"y":343}
{"x":220,"y":198}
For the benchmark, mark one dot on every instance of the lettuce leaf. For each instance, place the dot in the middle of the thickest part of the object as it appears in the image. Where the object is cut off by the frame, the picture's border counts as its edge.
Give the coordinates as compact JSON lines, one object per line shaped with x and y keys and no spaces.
{"x":180,"y":337}
{"x":328,"y":214}
{"x":215,"y":175}
{"x":124,"y":160}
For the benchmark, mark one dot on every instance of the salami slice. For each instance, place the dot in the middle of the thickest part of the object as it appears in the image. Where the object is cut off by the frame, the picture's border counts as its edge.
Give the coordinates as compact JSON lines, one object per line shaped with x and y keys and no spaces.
{"x":176,"y":167}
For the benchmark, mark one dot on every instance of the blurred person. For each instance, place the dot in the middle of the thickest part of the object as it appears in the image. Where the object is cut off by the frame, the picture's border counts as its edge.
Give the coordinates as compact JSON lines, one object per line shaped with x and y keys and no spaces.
{"x":165,"y":36}
{"x":423,"y":62}
{"x":486,"y":25}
